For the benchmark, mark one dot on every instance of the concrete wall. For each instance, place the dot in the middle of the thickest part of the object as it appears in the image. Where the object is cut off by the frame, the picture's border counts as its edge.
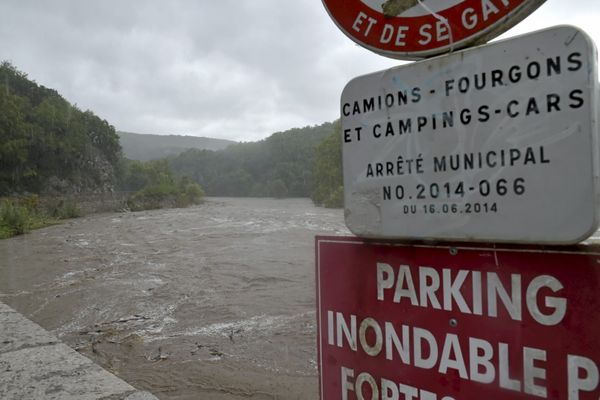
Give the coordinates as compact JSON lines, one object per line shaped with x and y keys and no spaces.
{"x":34,"y":364}
{"x":87,"y":203}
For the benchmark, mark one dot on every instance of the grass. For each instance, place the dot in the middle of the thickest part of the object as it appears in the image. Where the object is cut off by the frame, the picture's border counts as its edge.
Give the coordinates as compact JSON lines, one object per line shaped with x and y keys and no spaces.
{"x":22,"y":215}
{"x":65,"y":210}
{"x":18,"y":217}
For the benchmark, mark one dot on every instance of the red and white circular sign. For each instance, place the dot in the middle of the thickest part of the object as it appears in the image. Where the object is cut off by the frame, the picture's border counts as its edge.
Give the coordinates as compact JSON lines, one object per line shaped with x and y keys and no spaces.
{"x":413,"y":29}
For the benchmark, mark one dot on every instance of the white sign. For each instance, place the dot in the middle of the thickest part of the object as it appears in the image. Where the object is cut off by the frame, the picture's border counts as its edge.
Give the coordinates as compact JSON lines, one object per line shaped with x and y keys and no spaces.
{"x":496,"y":143}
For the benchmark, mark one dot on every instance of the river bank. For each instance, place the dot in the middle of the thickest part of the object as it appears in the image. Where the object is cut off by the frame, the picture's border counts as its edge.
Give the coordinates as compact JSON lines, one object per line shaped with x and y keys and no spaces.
{"x":213,"y":301}
{"x":36,"y":365}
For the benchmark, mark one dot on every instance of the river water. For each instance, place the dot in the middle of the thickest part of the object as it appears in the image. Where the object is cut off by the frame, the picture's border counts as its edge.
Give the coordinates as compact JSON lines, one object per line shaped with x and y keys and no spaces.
{"x":210,"y":302}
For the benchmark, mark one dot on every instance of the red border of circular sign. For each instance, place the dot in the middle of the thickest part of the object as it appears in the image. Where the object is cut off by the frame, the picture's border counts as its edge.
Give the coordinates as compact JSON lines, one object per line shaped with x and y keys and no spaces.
{"x":345,"y":12}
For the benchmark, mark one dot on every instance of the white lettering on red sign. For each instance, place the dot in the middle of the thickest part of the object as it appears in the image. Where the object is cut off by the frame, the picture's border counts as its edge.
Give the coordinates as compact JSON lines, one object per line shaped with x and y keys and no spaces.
{"x":414,"y":346}
{"x":402,"y":322}
{"x":426,"y":28}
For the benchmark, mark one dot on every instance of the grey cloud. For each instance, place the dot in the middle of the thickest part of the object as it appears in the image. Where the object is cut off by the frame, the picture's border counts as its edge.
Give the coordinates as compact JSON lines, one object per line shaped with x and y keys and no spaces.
{"x":233,"y":69}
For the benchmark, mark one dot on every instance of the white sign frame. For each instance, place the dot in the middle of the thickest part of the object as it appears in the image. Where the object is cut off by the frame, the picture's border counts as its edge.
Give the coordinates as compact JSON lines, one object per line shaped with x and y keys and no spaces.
{"x":536,"y":162}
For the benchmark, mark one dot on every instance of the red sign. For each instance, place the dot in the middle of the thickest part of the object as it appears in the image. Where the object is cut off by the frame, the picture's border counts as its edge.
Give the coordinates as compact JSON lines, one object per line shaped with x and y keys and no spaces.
{"x":412,"y":29}
{"x":408,"y":322}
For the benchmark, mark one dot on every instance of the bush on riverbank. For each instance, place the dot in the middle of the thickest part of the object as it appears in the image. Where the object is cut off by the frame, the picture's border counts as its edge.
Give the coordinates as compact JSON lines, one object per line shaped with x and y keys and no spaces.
{"x":18,"y":219}
{"x":14,"y":219}
{"x":22,"y":215}
{"x":65,"y":209}
{"x":155,"y":186}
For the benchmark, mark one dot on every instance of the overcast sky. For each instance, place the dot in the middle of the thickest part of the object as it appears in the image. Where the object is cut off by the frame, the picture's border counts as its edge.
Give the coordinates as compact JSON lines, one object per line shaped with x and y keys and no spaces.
{"x":232,"y":69}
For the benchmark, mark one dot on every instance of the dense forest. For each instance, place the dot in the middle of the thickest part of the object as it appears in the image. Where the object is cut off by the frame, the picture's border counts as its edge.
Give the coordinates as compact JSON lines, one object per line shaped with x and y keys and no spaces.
{"x":49,"y":146}
{"x":282,"y":165}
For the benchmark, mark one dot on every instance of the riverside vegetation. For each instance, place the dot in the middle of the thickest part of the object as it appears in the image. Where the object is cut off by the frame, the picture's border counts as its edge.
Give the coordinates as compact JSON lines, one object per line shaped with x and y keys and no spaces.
{"x":50,"y":147}
{"x":21,"y":215}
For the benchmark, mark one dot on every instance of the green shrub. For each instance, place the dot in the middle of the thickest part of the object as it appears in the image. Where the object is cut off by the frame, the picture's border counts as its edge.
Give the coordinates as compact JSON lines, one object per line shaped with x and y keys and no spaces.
{"x":194,"y":193}
{"x":5,"y":232}
{"x":164,"y":195}
{"x":335,"y":198}
{"x":31,"y":202}
{"x":14,"y":219}
{"x":152,"y":197}
{"x":65,"y":209}
{"x":158,"y":191}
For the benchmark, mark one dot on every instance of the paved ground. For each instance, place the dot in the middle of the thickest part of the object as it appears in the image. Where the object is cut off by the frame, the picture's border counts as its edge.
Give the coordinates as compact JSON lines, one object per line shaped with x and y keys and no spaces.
{"x":35,"y":365}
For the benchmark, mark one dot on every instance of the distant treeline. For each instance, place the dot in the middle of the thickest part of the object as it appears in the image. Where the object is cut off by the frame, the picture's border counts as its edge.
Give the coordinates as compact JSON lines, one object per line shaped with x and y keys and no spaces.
{"x":283,"y":165}
{"x":48,"y":145}
{"x":145,"y":147}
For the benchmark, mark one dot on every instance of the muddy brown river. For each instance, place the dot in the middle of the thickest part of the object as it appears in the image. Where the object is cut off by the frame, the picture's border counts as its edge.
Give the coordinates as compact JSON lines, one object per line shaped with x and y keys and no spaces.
{"x":210,"y":302}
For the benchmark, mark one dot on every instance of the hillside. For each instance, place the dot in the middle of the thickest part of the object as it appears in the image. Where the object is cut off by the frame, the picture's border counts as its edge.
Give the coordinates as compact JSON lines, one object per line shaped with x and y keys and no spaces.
{"x":144,"y":147}
{"x":279,"y":166}
{"x":49,"y":145}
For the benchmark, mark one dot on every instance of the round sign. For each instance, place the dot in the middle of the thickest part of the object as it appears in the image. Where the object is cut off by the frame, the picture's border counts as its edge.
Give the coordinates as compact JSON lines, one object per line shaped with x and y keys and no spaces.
{"x":413,"y":29}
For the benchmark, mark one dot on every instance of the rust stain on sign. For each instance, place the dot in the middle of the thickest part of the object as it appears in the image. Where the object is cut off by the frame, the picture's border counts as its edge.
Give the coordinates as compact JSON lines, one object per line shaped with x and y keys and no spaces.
{"x":392,"y":8}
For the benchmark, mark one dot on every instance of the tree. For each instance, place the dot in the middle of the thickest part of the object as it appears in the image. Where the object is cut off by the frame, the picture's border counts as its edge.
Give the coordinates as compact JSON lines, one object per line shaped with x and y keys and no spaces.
{"x":44,"y":139}
{"x":280,"y":165}
{"x":278,"y":189}
{"x":328,"y":189}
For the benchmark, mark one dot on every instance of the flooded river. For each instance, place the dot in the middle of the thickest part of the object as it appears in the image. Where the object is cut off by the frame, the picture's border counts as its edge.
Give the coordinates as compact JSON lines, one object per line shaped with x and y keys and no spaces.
{"x":210,"y":302}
